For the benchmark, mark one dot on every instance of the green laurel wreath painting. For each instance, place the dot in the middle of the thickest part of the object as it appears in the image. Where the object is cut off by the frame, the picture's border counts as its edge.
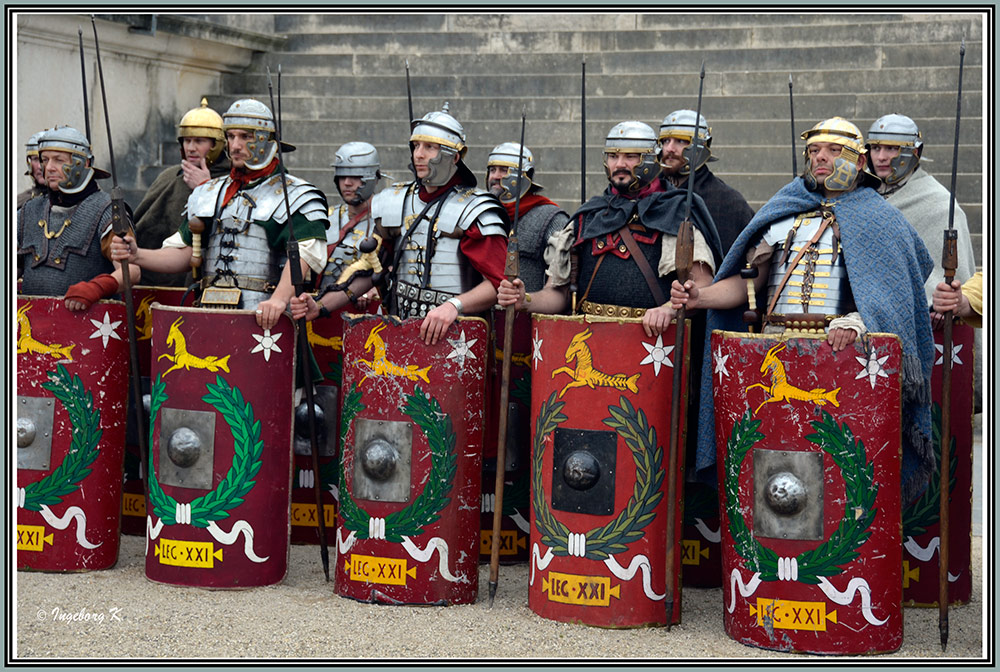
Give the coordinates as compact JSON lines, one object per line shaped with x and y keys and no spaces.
{"x":841,"y":547}
{"x":631,"y":425}
{"x":247,"y":449}
{"x":425,"y":509}
{"x":86,"y":421}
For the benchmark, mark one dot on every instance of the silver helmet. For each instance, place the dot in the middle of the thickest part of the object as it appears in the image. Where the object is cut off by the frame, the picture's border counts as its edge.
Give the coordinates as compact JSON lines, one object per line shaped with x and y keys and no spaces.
{"x":680,"y":124}
{"x":254,"y":116}
{"x":634,"y":137}
{"x":507,"y":154}
{"x":357,"y":159}
{"x":79,"y":171}
{"x":445,"y":130}
{"x":845,"y":171}
{"x":900,"y":131}
{"x":31,"y":149}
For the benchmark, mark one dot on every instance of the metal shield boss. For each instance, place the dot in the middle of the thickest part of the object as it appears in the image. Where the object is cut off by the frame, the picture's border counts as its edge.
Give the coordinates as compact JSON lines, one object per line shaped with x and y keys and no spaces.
{"x":921,"y":519}
{"x":220,"y":448}
{"x":412,"y":424}
{"x":72,"y":384}
{"x":514,"y":525}
{"x":133,"y":494}
{"x":809,"y":471}
{"x":600,"y":414}
{"x":326,"y":341}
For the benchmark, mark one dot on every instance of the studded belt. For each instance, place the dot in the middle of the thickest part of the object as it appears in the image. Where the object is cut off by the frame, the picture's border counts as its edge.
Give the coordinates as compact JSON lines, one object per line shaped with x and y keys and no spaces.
{"x":608,"y":310}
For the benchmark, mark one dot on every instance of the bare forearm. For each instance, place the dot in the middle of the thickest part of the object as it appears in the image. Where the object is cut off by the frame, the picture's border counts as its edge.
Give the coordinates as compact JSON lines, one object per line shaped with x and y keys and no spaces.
{"x":164,"y":260}
{"x":478,"y":299}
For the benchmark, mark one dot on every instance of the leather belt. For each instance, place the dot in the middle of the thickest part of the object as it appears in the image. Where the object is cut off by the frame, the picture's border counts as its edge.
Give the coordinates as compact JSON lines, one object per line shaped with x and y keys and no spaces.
{"x":242,"y":281}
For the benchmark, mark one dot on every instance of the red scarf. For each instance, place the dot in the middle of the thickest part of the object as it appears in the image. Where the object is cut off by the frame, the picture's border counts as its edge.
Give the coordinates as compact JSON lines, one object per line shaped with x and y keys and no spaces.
{"x":528,"y":201}
{"x":241,"y":177}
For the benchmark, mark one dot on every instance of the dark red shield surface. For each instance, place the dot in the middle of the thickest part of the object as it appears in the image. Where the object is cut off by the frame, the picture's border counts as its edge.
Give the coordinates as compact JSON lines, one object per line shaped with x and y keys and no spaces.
{"x":326,"y":341}
{"x":133,"y":496}
{"x":921,"y":518}
{"x":514,"y":525}
{"x":701,"y":552}
{"x":809,"y":473}
{"x":72,"y":385}
{"x":221,"y":426}
{"x":412,"y":418}
{"x":600,"y":408}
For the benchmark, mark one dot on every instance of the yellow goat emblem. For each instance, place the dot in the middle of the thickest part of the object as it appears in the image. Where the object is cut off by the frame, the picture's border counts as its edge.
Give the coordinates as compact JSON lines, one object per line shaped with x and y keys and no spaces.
{"x":335,"y":343}
{"x":183,"y":359}
{"x":586,"y":374}
{"x":781,"y":390}
{"x":380,"y":366}
{"x":27,"y":343}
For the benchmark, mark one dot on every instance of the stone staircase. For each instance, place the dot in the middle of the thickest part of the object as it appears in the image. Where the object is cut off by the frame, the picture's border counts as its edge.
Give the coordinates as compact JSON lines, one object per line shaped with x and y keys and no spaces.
{"x":343,"y":79}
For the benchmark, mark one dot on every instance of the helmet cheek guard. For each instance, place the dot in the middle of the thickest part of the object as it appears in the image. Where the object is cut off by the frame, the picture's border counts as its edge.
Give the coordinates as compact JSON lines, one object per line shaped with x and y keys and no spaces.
{"x":441,"y":168}
{"x":512,"y":185}
{"x":78,"y":175}
{"x":262,"y":149}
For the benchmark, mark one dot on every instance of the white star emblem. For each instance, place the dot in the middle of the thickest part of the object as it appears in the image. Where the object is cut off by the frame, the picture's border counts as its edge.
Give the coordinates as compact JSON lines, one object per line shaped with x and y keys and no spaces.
{"x":658,"y":355}
{"x":461,"y":348}
{"x":106,"y":329}
{"x":720,"y":364}
{"x":871,"y":368}
{"x":267,"y":343}
{"x":536,"y":354}
{"x":955,"y":361}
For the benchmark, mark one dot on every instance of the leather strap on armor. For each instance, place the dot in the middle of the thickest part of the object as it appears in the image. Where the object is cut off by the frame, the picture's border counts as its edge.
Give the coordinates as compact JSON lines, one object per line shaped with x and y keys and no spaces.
{"x":643,"y":264}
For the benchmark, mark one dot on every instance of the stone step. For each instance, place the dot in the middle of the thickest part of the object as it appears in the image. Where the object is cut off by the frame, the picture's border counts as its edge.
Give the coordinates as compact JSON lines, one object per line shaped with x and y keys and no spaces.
{"x":648,"y":108}
{"x":567,"y":134}
{"x":540,"y":40}
{"x":888,"y":80}
{"x":653,"y":61}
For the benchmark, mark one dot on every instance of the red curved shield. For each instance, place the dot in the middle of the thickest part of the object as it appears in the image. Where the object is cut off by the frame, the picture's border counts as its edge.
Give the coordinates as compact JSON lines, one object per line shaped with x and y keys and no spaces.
{"x":600,"y":408}
{"x":809,"y":445}
{"x":72,"y":385}
{"x":326,"y":341}
{"x":408,"y":526}
{"x":514,"y":525}
{"x":133,"y":495}
{"x":921,"y":518}
{"x":221,"y":427}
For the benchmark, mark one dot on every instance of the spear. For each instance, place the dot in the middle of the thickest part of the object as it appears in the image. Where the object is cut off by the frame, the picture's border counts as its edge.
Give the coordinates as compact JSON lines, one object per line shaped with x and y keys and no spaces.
{"x":583,"y":131}
{"x":511,"y":271}
{"x":683,"y":260}
{"x":83,"y":74}
{"x":295,"y":269}
{"x":121,"y":227}
{"x":949,"y":260}
{"x":791,"y":113}
{"x":409,"y":103}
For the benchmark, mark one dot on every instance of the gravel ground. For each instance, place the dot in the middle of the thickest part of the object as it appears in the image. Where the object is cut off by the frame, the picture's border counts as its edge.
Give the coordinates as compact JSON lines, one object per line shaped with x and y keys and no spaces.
{"x":119,"y":614}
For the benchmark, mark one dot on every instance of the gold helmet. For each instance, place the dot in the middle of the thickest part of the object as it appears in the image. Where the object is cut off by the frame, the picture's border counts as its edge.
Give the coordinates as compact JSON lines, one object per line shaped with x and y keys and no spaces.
{"x":203,"y":122}
{"x":845,"y":168}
